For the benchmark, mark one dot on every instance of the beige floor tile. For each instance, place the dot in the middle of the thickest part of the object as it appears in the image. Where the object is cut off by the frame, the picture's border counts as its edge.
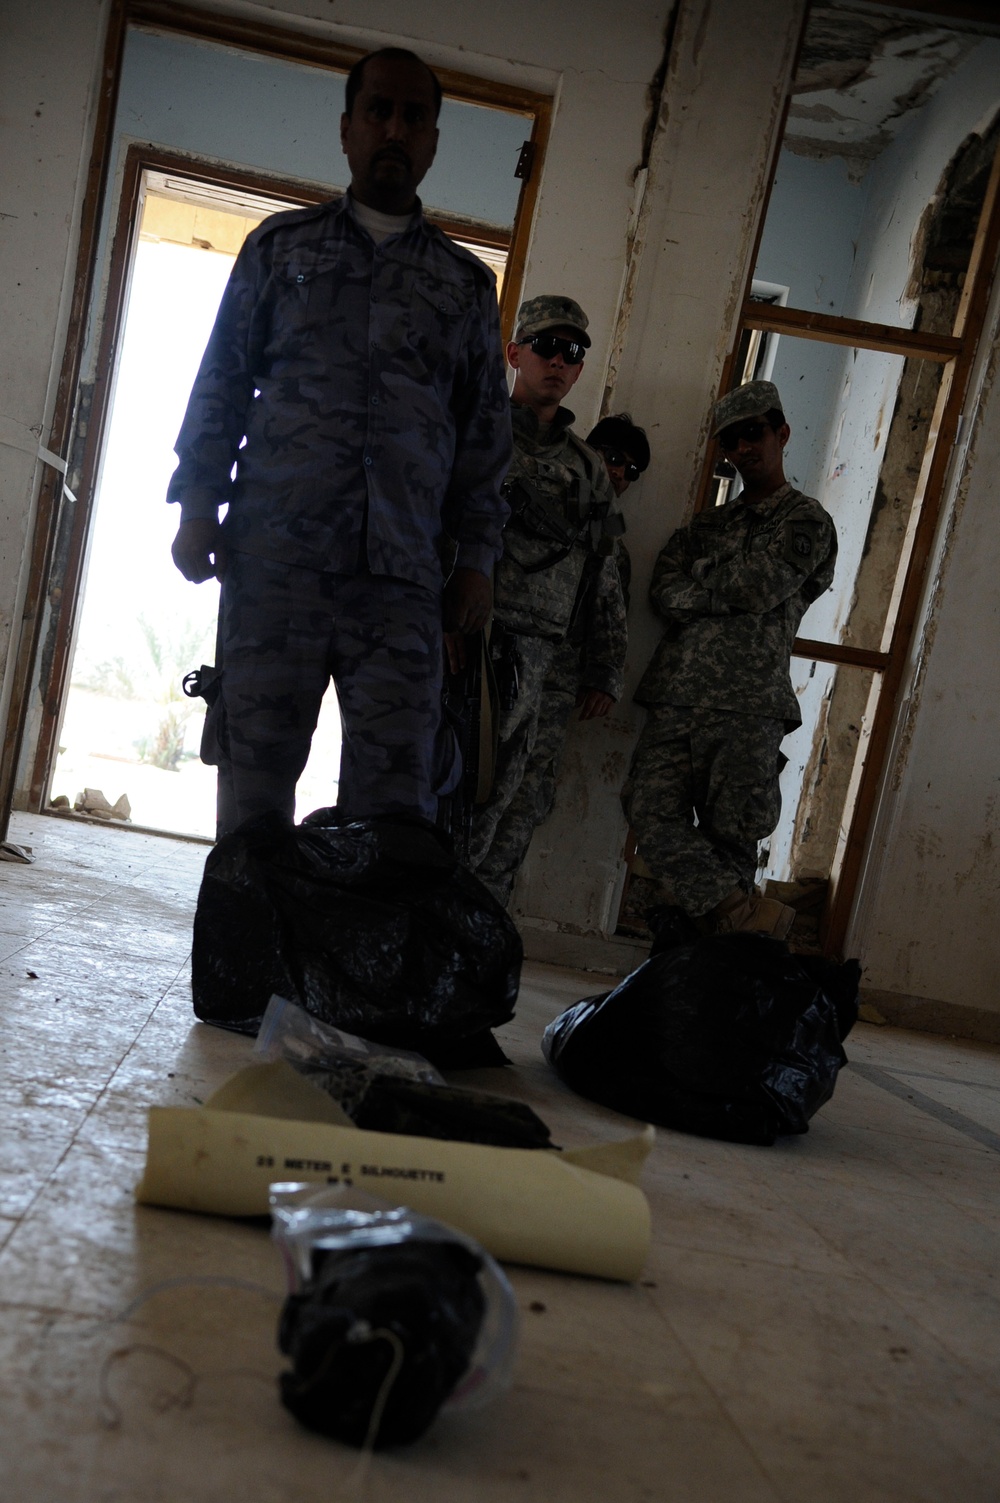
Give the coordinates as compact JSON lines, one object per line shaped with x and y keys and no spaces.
{"x":153,"y":1409}
{"x":860,"y":1100}
{"x":818,"y":1320}
{"x":161,"y":1071}
{"x":976,"y":1101}
{"x":33,"y":1150}
{"x":87,"y":1248}
{"x":842,"y":1394}
{"x":717,"y":1211}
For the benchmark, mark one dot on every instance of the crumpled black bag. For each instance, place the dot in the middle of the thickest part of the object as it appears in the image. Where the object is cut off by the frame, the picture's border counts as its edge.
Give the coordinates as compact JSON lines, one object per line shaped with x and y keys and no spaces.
{"x":421,"y":1300}
{"x":728,"y":1036}
{"x":372,"y":925}
{"x":416,"y":1109}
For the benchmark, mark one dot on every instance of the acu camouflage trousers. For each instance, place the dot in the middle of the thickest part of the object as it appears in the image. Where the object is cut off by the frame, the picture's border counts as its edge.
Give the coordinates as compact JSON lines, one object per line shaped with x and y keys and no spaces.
{"x":284,"y":632}
{"x":534,"y":796}
{"x":517,"y":734}
{"x":718,"y":766}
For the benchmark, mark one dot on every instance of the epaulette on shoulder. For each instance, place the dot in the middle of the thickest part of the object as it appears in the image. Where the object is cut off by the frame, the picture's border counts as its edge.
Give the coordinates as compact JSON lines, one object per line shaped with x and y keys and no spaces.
{"x":469,"y":258}
{"x":285,"y":217}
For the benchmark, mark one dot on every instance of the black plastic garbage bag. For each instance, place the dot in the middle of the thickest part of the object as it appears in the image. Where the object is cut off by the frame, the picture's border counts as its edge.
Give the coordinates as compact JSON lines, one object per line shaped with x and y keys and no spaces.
{"x":419,"y":1110}
{"x":379,"y":1337}
{"x":372,"y":925}
{"x":729,"y":1036}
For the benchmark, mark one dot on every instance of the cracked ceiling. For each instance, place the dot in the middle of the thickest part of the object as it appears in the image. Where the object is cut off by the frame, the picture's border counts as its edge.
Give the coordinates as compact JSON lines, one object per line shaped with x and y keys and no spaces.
{"x":863,"y":71}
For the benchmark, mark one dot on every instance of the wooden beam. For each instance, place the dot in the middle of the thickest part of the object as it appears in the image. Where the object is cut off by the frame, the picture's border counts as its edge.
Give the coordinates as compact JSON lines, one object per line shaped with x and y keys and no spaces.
{"x":289,"y":44}
{"x":802,"y":324}
{"x":835,"y":652}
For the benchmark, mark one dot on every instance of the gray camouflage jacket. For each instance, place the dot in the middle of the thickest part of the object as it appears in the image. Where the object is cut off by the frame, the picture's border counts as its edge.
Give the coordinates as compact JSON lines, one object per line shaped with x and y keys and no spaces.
{"x":369,"y":384}
{"x":582,"y":590}
{"x":732,"y":587}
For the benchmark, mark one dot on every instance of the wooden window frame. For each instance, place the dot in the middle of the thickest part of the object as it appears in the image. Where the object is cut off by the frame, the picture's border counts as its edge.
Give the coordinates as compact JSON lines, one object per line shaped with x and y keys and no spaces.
{"x":957,"y":354}
{"x":59,"y":550}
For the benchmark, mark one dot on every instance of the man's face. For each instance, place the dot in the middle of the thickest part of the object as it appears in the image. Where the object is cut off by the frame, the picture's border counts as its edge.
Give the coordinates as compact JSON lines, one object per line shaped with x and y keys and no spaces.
{"x":755,"y":449}
{"x":390,"y":136}
{"x":621,"y":468}
{"x":543,"y":380}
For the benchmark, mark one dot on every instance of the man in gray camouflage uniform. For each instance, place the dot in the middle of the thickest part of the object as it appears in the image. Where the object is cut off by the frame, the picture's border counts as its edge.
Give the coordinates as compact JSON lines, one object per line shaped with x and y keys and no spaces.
{"x":355,"y":380}
{"x":732,"y":588}
{"x":559,"y":555}
{"x":596,"y":637}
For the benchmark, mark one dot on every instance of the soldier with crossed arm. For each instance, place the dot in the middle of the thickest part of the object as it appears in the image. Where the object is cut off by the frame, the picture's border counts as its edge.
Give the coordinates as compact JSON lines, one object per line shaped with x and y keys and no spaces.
{"x":731,"y":589}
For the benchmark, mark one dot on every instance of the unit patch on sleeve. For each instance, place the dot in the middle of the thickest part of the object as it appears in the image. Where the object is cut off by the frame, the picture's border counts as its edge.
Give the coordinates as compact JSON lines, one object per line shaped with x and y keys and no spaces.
{"x":801,"y":538}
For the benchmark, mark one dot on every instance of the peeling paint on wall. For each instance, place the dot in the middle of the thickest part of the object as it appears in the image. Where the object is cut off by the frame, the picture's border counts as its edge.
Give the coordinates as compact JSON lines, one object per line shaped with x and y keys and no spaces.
{"x":862,"y":75}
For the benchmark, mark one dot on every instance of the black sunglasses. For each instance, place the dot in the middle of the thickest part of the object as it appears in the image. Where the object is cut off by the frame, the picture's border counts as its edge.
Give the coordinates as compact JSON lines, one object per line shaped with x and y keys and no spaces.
{"x":753,"y":432}
{"x":547,"y":346}
{"x":629,"y":470}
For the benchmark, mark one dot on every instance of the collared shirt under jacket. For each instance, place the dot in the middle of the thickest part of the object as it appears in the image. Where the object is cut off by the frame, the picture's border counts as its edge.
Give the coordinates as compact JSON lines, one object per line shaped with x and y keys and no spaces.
{"x":368,"y":382}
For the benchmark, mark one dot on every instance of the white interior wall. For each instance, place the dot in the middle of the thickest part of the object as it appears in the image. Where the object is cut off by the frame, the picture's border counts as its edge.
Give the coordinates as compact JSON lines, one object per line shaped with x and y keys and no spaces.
{"x":49,"y":71}
{"x":185,"y":96}
{"x":191,"y":96}
{"x":597,"y":59}
{"x":927,"y":922}
{"x":596,"y":64}
{"x":706,"y":177}
{"x":904,"y":179}
{"x":847,"y":245}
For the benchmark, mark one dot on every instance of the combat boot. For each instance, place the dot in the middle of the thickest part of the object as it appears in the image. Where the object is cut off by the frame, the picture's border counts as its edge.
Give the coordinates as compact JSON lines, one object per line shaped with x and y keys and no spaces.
{"x":749,"y":912}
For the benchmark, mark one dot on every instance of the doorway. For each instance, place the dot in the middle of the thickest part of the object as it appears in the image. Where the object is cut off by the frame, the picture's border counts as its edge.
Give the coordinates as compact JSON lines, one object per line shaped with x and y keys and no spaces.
{"x":883,"y":222}
{"x":178,"y":212}
{"x":128,"y":731}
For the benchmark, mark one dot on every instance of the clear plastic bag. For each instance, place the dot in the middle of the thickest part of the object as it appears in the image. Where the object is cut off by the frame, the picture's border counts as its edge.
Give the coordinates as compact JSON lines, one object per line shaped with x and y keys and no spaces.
{"x":340,"y":1063}
{"x":390,"y":1317}
{"x":392,"y":1090}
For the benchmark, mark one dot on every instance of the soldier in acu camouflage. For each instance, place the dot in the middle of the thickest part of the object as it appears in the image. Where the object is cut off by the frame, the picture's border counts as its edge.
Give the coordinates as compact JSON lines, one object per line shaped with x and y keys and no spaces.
{"x":732,"y":588}
{"x":351,"y":411}
{"x":597,"y":637}
{"x":558,"y":574}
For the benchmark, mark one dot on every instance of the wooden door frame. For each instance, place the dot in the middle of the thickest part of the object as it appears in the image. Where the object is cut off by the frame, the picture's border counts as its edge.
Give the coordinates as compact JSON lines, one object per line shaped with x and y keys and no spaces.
{"x":59,"y":540}
{"x":957,"y":351}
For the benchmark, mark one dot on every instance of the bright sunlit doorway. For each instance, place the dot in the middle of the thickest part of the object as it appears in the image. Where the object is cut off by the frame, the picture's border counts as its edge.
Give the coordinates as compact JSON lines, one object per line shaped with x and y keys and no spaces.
{"x":127,"y":727}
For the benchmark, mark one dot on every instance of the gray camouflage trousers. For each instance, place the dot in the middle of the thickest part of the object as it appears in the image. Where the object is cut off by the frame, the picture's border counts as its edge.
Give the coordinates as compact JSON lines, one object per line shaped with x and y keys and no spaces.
{"x":534,"y":796}
{"x":284,"y":632}
{"x":517,"y":734}
{"x":718,"y":766}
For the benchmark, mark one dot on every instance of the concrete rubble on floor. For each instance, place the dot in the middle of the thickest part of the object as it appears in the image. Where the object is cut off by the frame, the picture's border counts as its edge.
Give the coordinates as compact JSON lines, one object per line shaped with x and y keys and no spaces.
{"x":818,"y":1321}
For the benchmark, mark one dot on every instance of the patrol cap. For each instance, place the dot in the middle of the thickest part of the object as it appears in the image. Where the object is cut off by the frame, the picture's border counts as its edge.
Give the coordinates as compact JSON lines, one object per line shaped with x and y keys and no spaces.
{"x":751,"y":400}
{"x":550,"y":312}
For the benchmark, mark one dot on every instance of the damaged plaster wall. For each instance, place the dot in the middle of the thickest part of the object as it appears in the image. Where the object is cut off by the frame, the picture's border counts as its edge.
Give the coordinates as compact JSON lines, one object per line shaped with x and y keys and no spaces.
{"x":926,"y":924}
{"x":185,"y":96}
{"x":594,"y":57}
{"x":906,"y":176}
{"x":706,"y":176}
{"x":821,"y":210}
{"x":49,"y":65}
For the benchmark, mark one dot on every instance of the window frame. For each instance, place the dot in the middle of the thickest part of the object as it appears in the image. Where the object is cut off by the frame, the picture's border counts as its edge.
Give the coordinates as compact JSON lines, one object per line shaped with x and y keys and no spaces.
{"x":957,"y":353}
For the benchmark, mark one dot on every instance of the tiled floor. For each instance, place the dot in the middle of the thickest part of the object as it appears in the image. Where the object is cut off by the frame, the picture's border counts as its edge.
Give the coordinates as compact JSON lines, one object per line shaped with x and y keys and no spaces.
{"x":818,"y":1321}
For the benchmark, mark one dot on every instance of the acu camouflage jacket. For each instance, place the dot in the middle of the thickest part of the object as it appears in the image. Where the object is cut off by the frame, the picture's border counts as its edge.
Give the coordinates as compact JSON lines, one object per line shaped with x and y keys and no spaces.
{"x":732,"y":587}
{"x":580,"y":591}
{"x":369,"y":384}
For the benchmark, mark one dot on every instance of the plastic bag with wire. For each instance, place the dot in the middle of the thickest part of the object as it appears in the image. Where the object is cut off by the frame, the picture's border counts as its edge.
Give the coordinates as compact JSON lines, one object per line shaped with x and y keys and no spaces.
{"x":372,"y":925}
{"x":730,"y":1036}
{"x":390,"y":1316}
